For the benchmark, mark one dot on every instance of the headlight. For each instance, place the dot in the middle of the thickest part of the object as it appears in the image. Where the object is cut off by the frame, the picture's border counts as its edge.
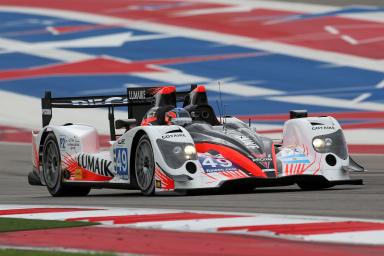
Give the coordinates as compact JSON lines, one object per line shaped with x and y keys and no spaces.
{"x":322,"y":143}
{"x":318,"y":143}
{"x":176,"y":154}
{"x":177,"y":150}
{"x":331,"y":143}
{"x":190,"y":150}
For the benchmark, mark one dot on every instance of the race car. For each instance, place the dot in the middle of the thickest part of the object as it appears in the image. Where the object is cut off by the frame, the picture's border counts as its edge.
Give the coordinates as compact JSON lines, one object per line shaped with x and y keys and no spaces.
{"x":174,"y":142}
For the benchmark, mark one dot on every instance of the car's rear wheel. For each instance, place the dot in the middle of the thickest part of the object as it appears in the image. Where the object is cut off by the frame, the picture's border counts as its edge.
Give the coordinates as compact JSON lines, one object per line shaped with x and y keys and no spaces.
{"x":52,"y":173}
{"x":145,"y":166}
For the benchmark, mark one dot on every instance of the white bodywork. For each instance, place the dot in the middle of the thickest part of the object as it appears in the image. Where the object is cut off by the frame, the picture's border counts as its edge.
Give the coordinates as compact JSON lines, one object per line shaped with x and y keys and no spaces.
{"x":298,"y":155}
{"x":80,"y":149}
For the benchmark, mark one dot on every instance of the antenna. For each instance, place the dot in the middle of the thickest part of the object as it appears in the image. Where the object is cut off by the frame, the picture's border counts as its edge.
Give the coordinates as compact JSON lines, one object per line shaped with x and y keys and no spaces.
{"x":221,"y":101}
{"x":218,"y":107}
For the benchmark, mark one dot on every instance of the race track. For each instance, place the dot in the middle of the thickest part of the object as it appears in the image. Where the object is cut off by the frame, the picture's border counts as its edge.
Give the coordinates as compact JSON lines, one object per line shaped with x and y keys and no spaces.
{"x":345,"y":201}
{"x":258,"y":59}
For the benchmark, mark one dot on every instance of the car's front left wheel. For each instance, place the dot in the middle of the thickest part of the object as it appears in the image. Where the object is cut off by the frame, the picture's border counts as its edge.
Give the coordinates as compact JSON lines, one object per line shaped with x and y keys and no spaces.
{"x":145,"y":166}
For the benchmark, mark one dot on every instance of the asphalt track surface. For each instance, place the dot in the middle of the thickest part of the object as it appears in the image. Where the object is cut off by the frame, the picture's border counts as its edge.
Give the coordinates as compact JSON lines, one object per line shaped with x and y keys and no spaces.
{"x":345,"y":201}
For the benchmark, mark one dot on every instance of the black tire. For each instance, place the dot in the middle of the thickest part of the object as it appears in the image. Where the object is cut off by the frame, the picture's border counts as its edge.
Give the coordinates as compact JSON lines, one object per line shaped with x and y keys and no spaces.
{"x":145,"y":166}
{"x":53,"y":176}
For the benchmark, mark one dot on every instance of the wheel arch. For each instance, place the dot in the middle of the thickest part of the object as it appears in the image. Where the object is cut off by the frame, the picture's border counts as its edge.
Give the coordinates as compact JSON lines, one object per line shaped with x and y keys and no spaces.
{"x":43,"y":137}
{"x":135,"y":141}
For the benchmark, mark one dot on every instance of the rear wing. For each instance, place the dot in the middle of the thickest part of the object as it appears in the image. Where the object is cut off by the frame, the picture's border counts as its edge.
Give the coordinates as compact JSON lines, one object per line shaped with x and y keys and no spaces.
{"x":138,"y":100}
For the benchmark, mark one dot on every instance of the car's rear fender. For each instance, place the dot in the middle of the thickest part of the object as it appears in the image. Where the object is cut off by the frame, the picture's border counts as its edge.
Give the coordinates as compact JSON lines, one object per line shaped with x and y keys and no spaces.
{"x":71,"y":138}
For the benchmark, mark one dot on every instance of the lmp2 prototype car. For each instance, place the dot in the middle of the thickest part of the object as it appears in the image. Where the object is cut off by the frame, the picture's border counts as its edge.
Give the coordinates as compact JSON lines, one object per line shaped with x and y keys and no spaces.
{"x":170,"y":148}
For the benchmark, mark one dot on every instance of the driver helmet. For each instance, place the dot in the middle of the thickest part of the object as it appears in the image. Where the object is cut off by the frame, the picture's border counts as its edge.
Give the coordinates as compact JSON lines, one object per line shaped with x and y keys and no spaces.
{"x":178,"y":116}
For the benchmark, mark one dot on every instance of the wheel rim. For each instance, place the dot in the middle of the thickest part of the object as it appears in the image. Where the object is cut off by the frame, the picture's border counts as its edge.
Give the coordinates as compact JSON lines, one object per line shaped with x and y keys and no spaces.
{"x":51,"y":164}
{"x":144,"y":165}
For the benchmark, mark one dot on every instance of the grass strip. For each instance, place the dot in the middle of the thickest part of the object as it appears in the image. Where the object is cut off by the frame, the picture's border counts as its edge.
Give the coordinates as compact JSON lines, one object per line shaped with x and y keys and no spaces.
{"x":12,"y":224}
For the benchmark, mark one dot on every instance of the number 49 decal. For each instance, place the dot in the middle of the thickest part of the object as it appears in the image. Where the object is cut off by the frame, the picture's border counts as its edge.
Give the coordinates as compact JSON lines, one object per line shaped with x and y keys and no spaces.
{"x":121,"y":164}
{"x":216,"y":162}
{"x":212,"y":164}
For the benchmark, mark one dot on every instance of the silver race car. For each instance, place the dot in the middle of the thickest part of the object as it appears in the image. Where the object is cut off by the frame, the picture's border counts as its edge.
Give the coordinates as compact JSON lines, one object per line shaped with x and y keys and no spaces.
{"x":173,"y":141}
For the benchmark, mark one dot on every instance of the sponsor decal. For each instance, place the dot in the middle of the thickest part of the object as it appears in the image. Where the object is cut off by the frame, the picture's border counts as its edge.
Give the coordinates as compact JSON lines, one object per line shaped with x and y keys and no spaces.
{"x":133,"y":95}
{"x":173,"y":135}
{"x":121,"y":142}
{"x":175,"y":131}
{"x":95,"y":164}
{"x":324,"y":127}
{"x":66,"y":143}
{"x":73,"y":143}
{"x":62,"y":142}
{"x":263,"y":159}
{"x":100,"y":101}
{"x":137,"y":95}
{"x":121,"y":162}
{"x":295,"y":159}
{"x":78,"y":174}
{"x":216,"y":163}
